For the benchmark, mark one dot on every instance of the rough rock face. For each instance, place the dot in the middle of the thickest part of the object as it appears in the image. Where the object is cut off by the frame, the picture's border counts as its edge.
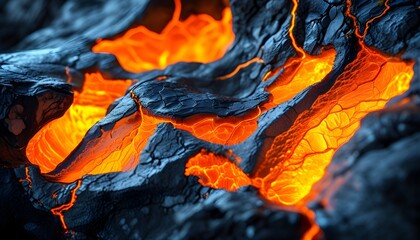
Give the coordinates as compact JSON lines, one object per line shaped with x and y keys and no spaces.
{"x":378,"y":167}
{"x":221,"y":215}
{"x":370,"y":190}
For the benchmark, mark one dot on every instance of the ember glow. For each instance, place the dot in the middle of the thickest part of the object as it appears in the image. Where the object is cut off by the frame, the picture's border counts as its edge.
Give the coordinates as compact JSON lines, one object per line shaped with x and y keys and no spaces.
{"x":216,"y":171}
{"x":57,"y":139}
{"x":297,"y":157}
{"x":60,"y":209}
{"x":121,"y":154}
{"x":190,"y":40}
{"x":138,"y":50}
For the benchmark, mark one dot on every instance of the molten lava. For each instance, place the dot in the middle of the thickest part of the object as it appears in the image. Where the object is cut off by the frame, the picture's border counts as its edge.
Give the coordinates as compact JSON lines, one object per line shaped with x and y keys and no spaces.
{"x":298,"y":157}
{"x":216,"y":171}
{"x":57,"y":139}
{"x":199,"y":38}
{"x":109,"y":154}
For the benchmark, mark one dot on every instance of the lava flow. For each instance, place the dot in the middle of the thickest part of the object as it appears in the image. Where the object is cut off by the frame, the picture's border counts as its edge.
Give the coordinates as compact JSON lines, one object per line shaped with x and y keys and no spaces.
{"x":109,"y":154}
{"x":199,"y":38}
{"x":297,"y":157}
{"x":57,"y":139}
{"x":190,"y":41}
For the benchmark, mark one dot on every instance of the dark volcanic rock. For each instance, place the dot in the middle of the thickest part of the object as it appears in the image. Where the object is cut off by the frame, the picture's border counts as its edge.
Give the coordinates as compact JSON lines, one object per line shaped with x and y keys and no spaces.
{"x":371,"y":190}
{"x":239,"y":215}
{"x":218,"y":215}
{"x":372,"y":184}
{"x":18,"y":216}
{"x":31,"y":96}
{"x":20,"y":18}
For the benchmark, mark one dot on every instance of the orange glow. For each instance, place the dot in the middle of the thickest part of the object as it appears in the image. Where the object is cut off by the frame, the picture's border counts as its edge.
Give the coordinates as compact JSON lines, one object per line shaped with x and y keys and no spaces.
{"x":190,"y":40}
{"x":216,"y":171}
{"x":122,"y":154}
{"x":292,"y":27}
{"x":57,"y":139}
{"x":109,"y":153}
{"x":214,"y":129}
{"x":354,"y":19}
{"x":298,"y":75}
{"x":27,"y":178}
{"x":140,"y":49}
{"x":365,"y":86}
{"x":314,"y":230}
{"x":240,"y":67}
{"x":53,"y":143}
{"x":59,"y":210}
{"x":115,"y":154}
{"x":298,"y":157}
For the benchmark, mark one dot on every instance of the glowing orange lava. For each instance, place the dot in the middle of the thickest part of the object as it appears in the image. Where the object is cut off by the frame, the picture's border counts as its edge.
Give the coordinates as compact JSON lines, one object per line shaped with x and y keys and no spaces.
{"x":121,"y":154}
{"x":216,"y":171}
{"x":298,"y":75}
{"x":298,"y":156}
{"x":190,"y":40}
{"x":140,"y":49}
{"x":57,"y":139}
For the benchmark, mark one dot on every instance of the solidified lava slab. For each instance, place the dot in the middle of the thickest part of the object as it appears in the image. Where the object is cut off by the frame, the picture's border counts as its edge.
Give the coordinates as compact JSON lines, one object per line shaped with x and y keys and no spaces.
{"x":210,"y":119}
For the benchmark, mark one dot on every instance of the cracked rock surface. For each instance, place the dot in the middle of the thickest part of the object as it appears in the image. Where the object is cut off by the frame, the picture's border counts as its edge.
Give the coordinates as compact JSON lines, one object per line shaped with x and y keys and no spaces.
{"x":371,"y":188}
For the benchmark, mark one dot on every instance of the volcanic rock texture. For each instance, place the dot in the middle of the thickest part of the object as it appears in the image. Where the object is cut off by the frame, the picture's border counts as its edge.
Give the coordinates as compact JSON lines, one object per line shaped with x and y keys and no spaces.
{"x":151,"y":169}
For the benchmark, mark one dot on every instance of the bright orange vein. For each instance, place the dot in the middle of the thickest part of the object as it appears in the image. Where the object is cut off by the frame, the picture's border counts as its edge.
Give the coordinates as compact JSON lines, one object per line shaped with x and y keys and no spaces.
{"x":54,"y":142}
{"x":110,"y":153}
{"x":199,"y":38}
{"x":297,"y":158}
